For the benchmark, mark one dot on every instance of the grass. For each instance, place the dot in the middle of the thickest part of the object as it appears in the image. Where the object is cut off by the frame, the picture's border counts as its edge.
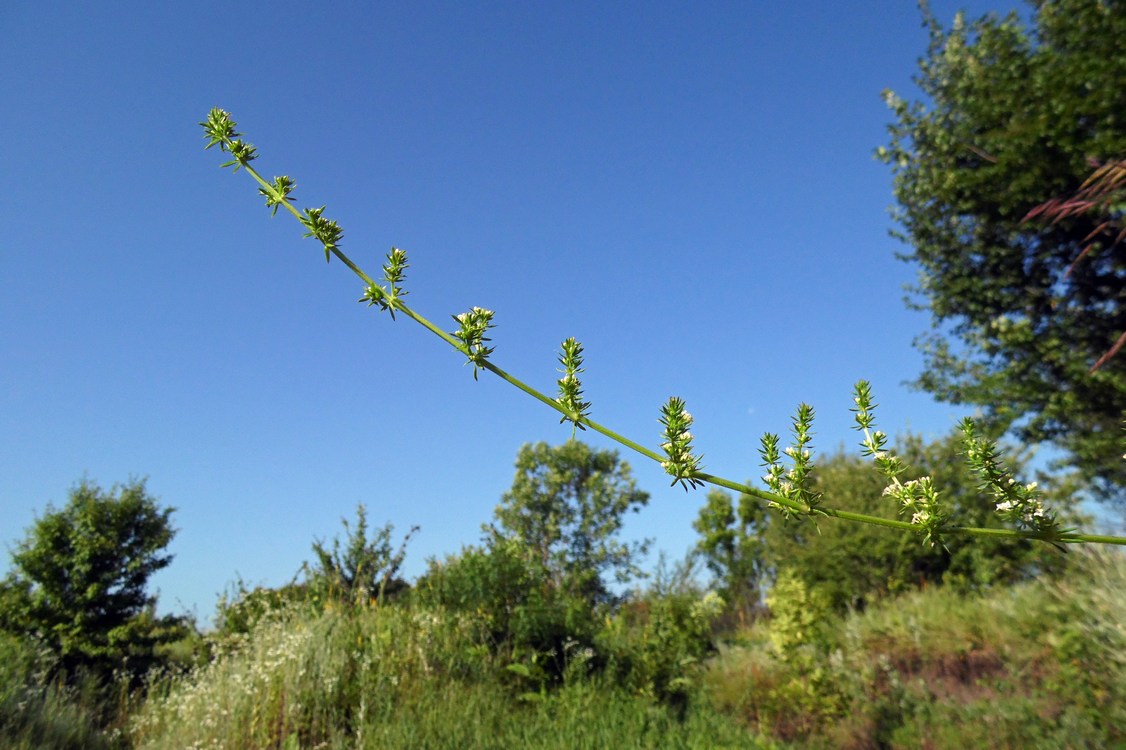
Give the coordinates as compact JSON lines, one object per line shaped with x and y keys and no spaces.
{"x":391,"y":677}
{"x":39,"y":713}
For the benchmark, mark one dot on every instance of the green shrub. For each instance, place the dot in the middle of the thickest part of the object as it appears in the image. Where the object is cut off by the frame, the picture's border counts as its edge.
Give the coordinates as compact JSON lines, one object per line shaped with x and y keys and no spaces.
{"x":656,"y":644}
{"x":515,"y":601}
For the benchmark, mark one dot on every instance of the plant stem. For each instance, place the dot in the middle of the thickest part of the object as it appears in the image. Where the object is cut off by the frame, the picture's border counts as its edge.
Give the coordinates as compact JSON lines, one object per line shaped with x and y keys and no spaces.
{"x":399,"y":306}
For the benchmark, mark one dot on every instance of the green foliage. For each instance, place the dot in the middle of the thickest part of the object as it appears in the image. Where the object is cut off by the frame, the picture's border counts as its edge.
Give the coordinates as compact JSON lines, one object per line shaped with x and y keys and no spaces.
{"x":732,"y":546}
{"x":514,"y":600}
{"x":1039,"y":664}
{"x":797,"y":619}
{"x":853,"y":564}
{"x":39,"y":713}
{"x":1011,"y":119}
{"x":566,"y":508}
{"x":537,"y":586}
{"x":78,"y":583}
{"x":405,"y":675}
{"x":364,"y":569}
{"x":240,"y":609}
{"x":655,"y":645}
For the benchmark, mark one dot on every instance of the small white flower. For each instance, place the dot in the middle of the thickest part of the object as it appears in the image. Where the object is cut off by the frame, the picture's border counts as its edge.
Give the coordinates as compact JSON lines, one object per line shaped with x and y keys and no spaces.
{"x":1006,"y":506}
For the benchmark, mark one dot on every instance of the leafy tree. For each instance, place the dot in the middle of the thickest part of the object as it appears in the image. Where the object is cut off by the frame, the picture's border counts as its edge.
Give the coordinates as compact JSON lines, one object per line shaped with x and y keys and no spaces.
{"x":566,"y":507}
{"x":78,"y":582}
{"x":852,"y":564}
{"x":732,"y":545}
{"x":1013,"y":118}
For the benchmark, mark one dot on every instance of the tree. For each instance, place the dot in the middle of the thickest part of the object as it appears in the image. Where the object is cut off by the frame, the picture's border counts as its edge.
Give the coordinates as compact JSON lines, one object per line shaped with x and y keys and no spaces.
{"x":853,"y":564}
{"x":366,"y":569}
{"x":566,"y":507}
{"x":732,"y":545}
{"x":79,"y":578}
{"x":1015,"y":116}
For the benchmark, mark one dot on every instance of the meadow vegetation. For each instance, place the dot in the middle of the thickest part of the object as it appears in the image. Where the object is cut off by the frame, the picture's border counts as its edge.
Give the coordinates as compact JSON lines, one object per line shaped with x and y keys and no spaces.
{"x":923,"y":594}
{"x":493,"y":647}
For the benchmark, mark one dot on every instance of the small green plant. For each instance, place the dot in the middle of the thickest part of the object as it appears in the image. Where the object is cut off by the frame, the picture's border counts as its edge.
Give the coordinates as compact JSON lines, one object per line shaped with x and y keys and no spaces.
{"x":789,"y":489}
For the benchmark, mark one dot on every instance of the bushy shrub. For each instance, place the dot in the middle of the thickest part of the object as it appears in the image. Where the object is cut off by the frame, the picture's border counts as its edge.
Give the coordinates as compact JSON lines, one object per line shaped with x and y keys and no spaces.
{"x":655,"y":645}
{"x":515,"y":601}
{"x":360,"y":570}
{"x":240,"y":609}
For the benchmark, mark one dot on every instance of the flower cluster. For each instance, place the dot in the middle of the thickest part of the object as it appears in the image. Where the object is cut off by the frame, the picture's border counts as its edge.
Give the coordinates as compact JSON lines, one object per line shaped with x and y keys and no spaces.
{"x":325,"y":230}
{"x":278,"y":193}
{"x":570,"y":388}
{"x":919,"y":497}
{"x":394,"y":271}
{"x":472,"y":336}
{"x":874,"y":443}
{"x":680,"y":463}
{"x":775,"y":473}
{"x":792,"y":484}
{"x":219,"y":130}
{"x":1016,"y":502}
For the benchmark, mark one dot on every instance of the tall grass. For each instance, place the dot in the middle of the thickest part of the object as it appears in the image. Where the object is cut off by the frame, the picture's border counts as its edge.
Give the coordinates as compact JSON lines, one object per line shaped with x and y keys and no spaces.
{"x":40,"y":712}
{"x":399,"y":676}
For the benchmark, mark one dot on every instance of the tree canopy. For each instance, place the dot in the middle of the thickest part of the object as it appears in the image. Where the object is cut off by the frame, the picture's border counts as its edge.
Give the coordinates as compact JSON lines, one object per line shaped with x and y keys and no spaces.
{"x":1012,"y":116}
{"x":566,"y":506}
{"x":79,"y":579}
{"x":732,"y":547}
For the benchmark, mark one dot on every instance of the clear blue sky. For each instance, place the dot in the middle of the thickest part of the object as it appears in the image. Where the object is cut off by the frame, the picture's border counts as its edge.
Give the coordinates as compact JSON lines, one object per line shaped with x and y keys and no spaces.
{"x":688,"y":188}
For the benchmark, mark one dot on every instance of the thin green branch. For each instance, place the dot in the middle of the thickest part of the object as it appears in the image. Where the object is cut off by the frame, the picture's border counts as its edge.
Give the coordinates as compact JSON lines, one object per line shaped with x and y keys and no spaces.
{"x":220,"y":131}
